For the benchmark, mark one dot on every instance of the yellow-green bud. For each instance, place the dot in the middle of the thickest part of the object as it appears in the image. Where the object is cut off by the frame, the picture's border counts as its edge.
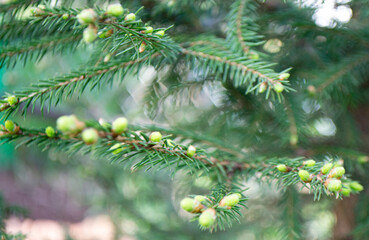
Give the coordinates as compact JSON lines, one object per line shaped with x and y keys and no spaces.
{"x":50,"y":132}
{"x":278,"y":87}
{"x":89,"y":35}
{"x":334,"y":185}
{"x":90,"y":136}
{"x":65,"y":16}
{"x":10,"y":125}
{"x":230,"y":200}
{"x":311,"y":90}
{"x":188,"y":204}
{"x":346,"y":190}
{"x":326,"y":168}
{"x":142,"y":47}
{"x":284,"y":76}
{"x":130,"y":17}
{"x":120,"y":125}
{"x":357,"y":187}
{"x":117,"y":148}
{"x":254,"y":55}
{"x":149,"y":30}
{"x":155,"y":137}
{"x":200,"y":198}
{"x":337,"y":172}
{"x":66,"y":124}
{"x":12,"y":100}
{"x":282,"y":168}
{"x":263,"y":87}
{"x":115,"y":10}
{"x":191,"y":150}
{"x":207,"y":218}
{"x":160,"y":33}
{"x":304,"y":176}
{"x":309,"y":163}
{"x":86,"y":16}
{"x":363,"y":159}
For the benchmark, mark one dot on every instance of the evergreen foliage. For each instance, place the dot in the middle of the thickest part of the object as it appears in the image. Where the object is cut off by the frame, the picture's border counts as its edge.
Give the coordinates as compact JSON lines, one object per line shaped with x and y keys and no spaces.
{"x":278,"y":77}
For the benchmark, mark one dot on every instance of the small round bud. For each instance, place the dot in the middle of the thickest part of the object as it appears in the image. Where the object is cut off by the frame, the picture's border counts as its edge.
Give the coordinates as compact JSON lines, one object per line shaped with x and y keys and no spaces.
{"x":155,"y":137}
{"x":200,"y":198}
{"x":254,"y":55}
{"x":65,"y":16}
{"x":326,"y":168}
{"x":50,"y":132}
{"x":87,"y":16}
{"x":120,"y":125}
{"x":130,"y":17}
{"x":12,"y":100}
{"x":346,"y":190}
{"x":188,"y":204}
{"x":230,"y":200}
{"x":149,"y":30}
{"x":357,"y":187}
{"x":282,"y":168}
{"x":363,"y":159}
{"x":309,"y":163}
{"x":278,"y":87}
{"x":207,"y":218}
{"x":89,"y":35}
{"x":263,"y":87}
{"x":311,"y":90}
{"x":305,"y":176}
{"x":10,"y":125}
{"x":160,"y":33}
{"x":69,"y":124}
{"x":115,"y":10}
{"x":334,"y":185}
{"x":90,"y":136}
{"x":191,"y":150}
{"x":107,"y":57}
{"x":284,"y":76}
{"x":142,"y":47}
{"x":337,"y":172}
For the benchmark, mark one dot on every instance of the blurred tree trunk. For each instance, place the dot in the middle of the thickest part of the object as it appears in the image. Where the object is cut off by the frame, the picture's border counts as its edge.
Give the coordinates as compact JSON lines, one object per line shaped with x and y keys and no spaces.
{"x":345,"y":218}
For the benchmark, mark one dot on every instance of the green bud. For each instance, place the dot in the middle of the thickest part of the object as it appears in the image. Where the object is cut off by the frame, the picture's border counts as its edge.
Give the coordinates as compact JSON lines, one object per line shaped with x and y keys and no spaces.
{"x":107,"y":57}
{"x":326,"y":168}
{"x":120,"y":125}
{"x":357,"y":187}
{"x":200,"y":198}
{"x":334,"y":185}
{"x":142,"y":47}
{"x":155,"y":137}
{"x":304,"y":176}
{"x":90,"y":136}
{"x":149,"y":30}
{"x":284,"y":76}
{"x":188,"y":204}
{"x":12,"y":100}
{"x":191,"y":150}
{"x":278,"y":87}
{"x":66,"y":124}
{"x":363,"y":159}
{"x":263,"y":87}
{"x":207,"y":218}
{"x":311,"y":90}
{"x":309,"y":163}
{"x":346,"y":190}
{"x":160,"y":33}
{"x":117,"y":148}
{"x":65,"y":16}
{"x":50,"y":132}
{"x":130,"y":17}
{"x":86,"y":16}
{"x":282,"y":168}
{"x":89,"y":35}
{"x":337,"y":172}
{"x":230,"y":200}
{"x":10,"y":125}
{"x":254,"y":55}
{"x":115,"y":10}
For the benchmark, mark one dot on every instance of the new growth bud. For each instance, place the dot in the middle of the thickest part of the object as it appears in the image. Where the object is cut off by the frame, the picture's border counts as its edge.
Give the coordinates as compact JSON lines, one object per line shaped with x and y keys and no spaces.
{"x":309,"y":163}
{"x":207,"y":218}
{"x":87,"y":16}
{"x":305,"y":176}
{"x":282,"y":168}
{"x":326,"y":168}
{"x":263,"y":87}
{"x":155,"y":137}
{"x":120,"y":125}
{"x":230,"y":200}
{"x":89,"y":35}
{"x":115,"y":10}
{"x":50,"y":132}
{"x":337,"y":172}
{"x":12,"y":100}
{"x":191,"y":150}
{"x":334,"y":185}
{"x":130,"y":17}
{"x":90,"y":136}
{"x":278,"y":87}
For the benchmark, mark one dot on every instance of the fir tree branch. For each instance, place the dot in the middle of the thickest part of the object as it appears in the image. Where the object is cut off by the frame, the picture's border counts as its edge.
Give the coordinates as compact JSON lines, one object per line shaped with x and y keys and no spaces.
{"x":344,"y":69}
{"x":239,"y":27}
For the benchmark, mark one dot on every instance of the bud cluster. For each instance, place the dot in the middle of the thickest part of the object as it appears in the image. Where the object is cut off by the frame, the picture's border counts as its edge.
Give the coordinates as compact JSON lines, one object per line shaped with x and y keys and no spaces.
{"x":207,"y":207}
{"x":276,"y":85}
{"x":330,"y":174}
